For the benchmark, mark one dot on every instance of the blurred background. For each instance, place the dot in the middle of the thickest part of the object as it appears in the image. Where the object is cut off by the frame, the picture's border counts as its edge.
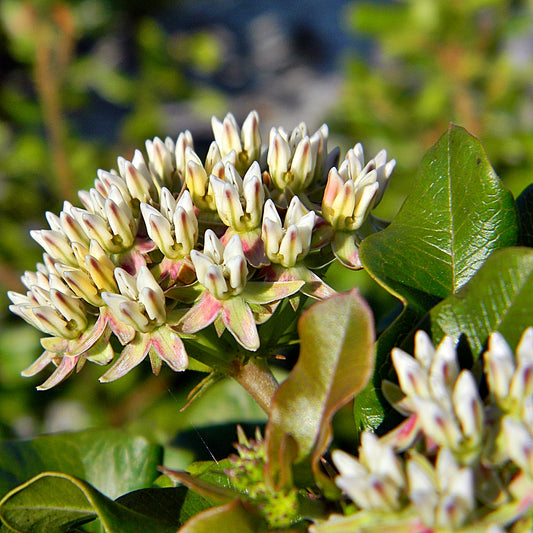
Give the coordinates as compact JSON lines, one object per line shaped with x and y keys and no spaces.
{"x":82,"y":82}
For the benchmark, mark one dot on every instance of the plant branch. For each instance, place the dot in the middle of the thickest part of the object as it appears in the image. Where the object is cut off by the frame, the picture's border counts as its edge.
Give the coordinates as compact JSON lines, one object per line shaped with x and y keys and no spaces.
{"x":255,"y":376}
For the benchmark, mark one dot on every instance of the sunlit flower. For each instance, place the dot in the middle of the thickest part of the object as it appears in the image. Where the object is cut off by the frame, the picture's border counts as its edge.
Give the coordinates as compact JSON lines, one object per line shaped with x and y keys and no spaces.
{"x":288,"y":242}
{"x":295,"y":160}
{"x":141,"y":305}
{"x":444,"y":400}
{"x":376,"y":479}
{"x":245,"y":143}
{"x":174,"y":230}
{"x":239,"y":202}
{"x":222,"y":270}
{"x":351,"y":192}
{"x":168,"y":244}
{"x":287,"y":245}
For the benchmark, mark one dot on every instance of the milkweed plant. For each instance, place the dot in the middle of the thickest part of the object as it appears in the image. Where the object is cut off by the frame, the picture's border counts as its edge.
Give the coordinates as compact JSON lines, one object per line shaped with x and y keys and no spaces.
{"x":217,"y":264}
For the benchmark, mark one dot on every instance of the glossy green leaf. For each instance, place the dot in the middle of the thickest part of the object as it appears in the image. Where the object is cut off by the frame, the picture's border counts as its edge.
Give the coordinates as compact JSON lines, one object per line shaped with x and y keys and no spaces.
{"x":336,"y":359}
{"x":498,"y":298}
{"x":456,"y":215}
{"x":111,"y":460}
{"x":54,"y":502}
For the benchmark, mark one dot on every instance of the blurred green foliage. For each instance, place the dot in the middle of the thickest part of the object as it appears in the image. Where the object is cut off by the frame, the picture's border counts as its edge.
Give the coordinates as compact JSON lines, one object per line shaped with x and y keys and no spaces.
{"x":432,"y":62}
{"x":82,"y":82}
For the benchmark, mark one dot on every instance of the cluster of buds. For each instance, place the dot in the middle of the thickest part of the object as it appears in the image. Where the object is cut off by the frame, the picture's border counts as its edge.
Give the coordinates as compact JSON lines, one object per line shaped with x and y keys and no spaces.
{"x":279,"y":507}
{"x":476,"y":471}
{"x":169,"y":245}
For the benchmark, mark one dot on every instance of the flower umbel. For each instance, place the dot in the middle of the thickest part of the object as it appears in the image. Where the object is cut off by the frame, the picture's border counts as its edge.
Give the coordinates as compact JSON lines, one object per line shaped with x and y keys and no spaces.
{"x":169,"y":244}
{"x":473,"y":471}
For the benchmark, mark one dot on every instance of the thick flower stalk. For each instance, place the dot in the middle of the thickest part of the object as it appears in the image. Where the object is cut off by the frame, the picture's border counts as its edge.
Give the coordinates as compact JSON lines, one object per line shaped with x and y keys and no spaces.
{"x":171,"y":250}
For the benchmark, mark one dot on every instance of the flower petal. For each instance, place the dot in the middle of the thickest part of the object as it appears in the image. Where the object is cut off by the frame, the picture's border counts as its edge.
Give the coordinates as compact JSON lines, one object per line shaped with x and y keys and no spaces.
{"x":201,"y":314}
{"x":131,"y":356}
{"x":65,"y":368}
{"x":239,"y":320}
{"x":169,"y":347}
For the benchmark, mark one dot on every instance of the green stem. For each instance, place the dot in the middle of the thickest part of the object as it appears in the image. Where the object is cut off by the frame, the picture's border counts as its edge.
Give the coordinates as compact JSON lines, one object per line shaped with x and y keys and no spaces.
{"x":255,"y":376}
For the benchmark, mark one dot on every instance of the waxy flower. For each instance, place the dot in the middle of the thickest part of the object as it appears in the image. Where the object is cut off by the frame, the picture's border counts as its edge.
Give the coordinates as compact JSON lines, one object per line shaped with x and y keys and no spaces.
{"x":133,"y":262}
{"x":222,"y":271}
{"x":297,"y":160}
{"x":376,"y":479}
{"x":444,"y":400}
{"x":510,"y":378}
{"x":351,"y":192}
{"x":239,"y":202}
{"x":288,"y":243}
{"x":174,"y":230}
{"x":444,"y":495}
{"x":141,"y":305}
{"x":245,"y":143}
{"x":76,"y":334}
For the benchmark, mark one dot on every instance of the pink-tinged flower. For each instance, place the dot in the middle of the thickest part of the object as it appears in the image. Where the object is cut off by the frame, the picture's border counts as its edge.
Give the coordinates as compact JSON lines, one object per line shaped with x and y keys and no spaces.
{"x":183,"y":142}
{"x":76,"y":334}
{"x":288,"y":243}
{"x":141,"y":305}
{"x":197,"y":181}
{"x":351,"y":192}
{"x":138,"y":179}
{"x":296,"y":160}
{"x":519,"y":443}
{"x":222,"y":271}
{"x":162,"y":160}
{"x":510,"y":377}
{"x":374,"y":481}
{"x":444,"y":495}
{"x":108,"y":220}
{"x":445,"y":402}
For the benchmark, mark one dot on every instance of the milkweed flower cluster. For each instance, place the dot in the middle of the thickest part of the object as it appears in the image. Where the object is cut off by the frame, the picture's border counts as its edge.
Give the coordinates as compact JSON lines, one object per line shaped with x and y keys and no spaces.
{"x":458,"y":462}
{"x":171,"y":243}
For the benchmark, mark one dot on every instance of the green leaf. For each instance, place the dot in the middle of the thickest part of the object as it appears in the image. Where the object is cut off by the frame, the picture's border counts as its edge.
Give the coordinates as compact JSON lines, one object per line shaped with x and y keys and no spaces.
{"x":227,"y":518}
{"x":172,"y":504}
{"x":111,"y":460}
{"x":525,"y":211}
{"x":55,"y":502}
{"x":335,"y":362}
{"x":498,"y":298}
{"x":456,"y":215}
